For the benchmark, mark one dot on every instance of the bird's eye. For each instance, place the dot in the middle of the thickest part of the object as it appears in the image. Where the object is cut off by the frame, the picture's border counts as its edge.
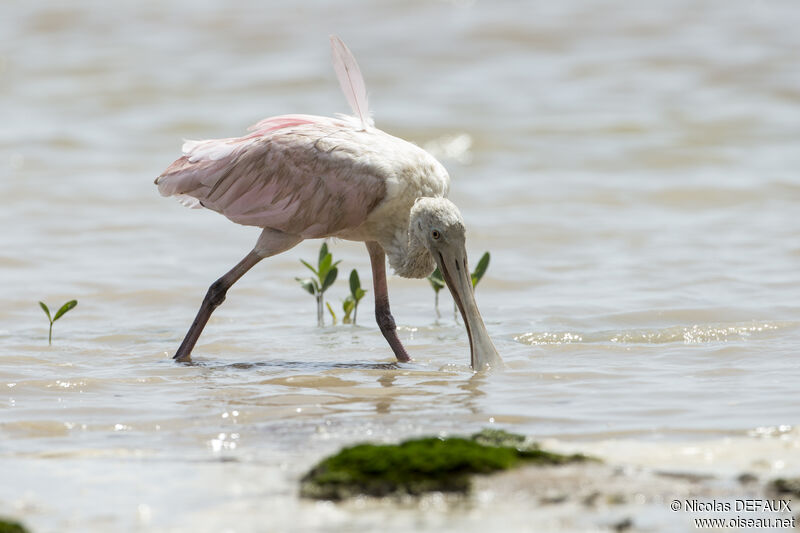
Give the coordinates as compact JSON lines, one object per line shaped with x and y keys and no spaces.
{"x":435,"y":234}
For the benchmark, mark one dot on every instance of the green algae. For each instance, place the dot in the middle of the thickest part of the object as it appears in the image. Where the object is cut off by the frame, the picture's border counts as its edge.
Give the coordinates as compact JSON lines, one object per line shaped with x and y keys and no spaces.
{"x":790,"y":486}
{"x":10,"y":526}
{"x":422,"y":465}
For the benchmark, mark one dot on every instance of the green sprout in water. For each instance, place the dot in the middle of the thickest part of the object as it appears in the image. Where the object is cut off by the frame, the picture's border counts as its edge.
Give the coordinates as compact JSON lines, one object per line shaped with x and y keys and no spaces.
{"x":437,"y":282}
{"x":61,"y":312}
{"x":350,"y":304}
{"x":475,"y":276}
{"x":325,"y":273}
{"x":330,"y":310}
{"x":480,"y":270}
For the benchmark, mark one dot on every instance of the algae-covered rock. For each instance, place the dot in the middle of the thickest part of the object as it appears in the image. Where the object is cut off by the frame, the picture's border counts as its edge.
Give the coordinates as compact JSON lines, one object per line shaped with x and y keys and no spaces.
{"x":10,"y":526}
{"x":499,"y":437}
{"x":789,"y":486}
{"x":422,"y":465}
{"x":529,"y":451}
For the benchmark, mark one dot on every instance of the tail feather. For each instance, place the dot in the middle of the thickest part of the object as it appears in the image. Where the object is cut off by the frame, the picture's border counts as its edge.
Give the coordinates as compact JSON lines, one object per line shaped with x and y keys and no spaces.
{"x":351,"y":80}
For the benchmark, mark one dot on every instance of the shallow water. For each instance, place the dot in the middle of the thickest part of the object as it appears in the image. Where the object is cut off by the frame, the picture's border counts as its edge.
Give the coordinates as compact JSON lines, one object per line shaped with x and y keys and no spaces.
{"x":633,"y":171}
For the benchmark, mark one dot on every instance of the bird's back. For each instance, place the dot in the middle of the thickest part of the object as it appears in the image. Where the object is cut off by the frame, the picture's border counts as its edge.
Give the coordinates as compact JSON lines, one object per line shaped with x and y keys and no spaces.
{"x":305,"y":175}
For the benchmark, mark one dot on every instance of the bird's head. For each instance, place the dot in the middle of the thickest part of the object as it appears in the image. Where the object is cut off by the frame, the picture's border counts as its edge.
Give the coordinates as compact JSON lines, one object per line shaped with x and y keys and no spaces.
{"x":437,"y":224}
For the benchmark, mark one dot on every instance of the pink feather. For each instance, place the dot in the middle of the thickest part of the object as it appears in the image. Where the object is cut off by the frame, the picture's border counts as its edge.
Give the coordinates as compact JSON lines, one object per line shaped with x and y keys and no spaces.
{"x":351,"y":80}
{"x":299,"y":174}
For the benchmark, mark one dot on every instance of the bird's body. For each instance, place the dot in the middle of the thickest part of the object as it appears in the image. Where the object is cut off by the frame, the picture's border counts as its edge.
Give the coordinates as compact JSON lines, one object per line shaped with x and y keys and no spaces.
{"x":304,"y":177}
{"x":313,"y":177}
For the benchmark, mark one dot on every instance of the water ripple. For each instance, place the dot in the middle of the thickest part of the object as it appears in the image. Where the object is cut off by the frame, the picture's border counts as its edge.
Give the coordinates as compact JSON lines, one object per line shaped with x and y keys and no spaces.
{"x":694,"y":334}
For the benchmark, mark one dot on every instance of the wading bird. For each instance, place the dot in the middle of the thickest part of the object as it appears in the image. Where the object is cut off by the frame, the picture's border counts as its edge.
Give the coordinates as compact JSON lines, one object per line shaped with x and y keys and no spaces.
{"x":308,"y":177}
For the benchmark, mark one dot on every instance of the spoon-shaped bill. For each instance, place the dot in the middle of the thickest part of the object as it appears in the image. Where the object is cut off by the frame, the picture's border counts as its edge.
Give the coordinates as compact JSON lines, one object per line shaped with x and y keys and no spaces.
{"x":453,"y":265}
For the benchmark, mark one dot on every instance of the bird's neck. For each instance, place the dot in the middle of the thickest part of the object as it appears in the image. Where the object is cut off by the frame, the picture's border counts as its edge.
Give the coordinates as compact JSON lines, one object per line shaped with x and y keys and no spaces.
{"x":409,"y":257}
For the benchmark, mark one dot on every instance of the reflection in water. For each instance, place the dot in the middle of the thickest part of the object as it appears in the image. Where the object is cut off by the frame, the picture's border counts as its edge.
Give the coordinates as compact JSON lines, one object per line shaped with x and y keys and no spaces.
{"x":387,"y":380}
{"x":383,"y":406}
{"x":474,"y":393}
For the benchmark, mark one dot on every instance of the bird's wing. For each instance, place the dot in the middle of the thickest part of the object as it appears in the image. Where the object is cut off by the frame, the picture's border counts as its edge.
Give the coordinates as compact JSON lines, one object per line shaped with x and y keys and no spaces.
{"x":299,"y":174}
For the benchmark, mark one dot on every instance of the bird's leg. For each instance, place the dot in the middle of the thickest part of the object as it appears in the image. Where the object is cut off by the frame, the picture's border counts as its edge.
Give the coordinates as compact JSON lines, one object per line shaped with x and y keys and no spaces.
{"x":383,"y":315}
{"x":270,"y":242}
{"x":214,"y":297}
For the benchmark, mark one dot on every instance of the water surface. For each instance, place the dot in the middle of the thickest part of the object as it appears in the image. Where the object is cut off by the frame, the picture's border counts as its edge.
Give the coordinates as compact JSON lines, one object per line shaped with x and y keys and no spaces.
{"x":632,"y":169}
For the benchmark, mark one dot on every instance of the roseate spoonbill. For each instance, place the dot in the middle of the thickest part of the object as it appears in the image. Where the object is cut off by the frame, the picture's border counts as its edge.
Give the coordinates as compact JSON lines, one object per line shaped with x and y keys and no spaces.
{"x":307,"y":177}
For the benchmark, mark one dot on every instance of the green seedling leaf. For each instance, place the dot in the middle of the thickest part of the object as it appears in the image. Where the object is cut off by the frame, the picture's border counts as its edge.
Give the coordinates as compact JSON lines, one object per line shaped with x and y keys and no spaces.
{"x":348,"y":305}
{"x":61,"y":312}
{"x":308,"y":266}
{"x":323,"y":251}
{"x":309,"y":285}
{"x":329,"y":279}
{"x":325,"y":266}
{"x":436,"y":280}
{"x":46,"y":310}
{"x":480,"y":270}
{"x":64,"y":309}
{"x":355,"y":283}
{"x":437,"y":283}
{"x":324,"y":276}
{"x":356,"y":293}
{"x":330,"y":310}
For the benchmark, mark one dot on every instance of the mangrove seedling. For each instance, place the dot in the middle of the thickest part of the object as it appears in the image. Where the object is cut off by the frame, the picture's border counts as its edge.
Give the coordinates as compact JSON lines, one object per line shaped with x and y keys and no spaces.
{"x":475,"y":276}
{"x":350,"y":304}
{"x":480,"y":269}
{"x":325,"y":274}
{"x":61,"y":312}
{"x":330,"y":310}
{"x":437,"y":282}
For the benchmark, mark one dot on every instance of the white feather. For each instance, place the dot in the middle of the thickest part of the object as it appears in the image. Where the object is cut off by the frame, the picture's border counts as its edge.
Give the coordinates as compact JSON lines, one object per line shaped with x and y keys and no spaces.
{"x":351,"y":80}
{"x":212,"y":149}
{"x":187,"y":201}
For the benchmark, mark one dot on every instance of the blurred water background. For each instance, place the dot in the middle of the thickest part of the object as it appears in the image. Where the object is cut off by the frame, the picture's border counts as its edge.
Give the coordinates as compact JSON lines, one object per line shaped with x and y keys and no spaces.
{"x":632,"y":167}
